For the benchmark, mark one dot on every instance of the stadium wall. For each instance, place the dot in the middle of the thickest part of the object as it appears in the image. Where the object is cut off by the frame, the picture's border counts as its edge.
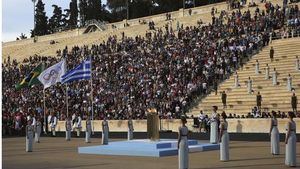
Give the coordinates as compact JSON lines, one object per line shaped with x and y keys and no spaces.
{"x":234,"y":125}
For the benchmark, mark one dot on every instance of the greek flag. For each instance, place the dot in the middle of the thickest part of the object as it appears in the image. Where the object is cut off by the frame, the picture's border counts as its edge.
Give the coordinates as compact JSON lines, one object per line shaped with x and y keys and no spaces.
{"x":82,"y":71}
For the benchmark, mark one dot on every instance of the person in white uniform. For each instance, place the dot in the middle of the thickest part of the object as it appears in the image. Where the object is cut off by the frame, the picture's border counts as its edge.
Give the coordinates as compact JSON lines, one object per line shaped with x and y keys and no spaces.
{"x":52,"y":123}
{"x":29,"y":136}
{"x":214,"y":126}
{"x":105,"y":131}
{"x":130,"y":129}
{"x":274,"y":133}
{"x":274,"y":77}
{"x":88,"y":131}
{"x":289,"y":82}
{"x":224,"y":138}
{"x":249,"y":85}
{"x":68,"y":128}
{"x":256,"y":67}
{"x":182,"y":145}
{"x":290,"y":141}
{"x":267,"y":69}
{"x":78,"y":125}
{"x":37,"y":129}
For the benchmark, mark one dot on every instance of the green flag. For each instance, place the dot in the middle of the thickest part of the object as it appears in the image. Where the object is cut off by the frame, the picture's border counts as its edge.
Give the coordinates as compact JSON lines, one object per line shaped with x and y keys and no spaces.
{"x":31,"y":78}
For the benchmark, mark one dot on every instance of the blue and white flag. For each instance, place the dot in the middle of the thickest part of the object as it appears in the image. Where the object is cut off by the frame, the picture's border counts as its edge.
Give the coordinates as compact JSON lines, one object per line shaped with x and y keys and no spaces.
{"x":53,"y":74}
{"x":82,"y":71}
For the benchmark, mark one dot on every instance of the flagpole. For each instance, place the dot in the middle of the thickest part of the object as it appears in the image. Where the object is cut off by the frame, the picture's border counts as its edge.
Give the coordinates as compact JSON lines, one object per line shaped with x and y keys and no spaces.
{"x":67,"y":100}
{"x":45,"y":124}
{"x":92,"y":98}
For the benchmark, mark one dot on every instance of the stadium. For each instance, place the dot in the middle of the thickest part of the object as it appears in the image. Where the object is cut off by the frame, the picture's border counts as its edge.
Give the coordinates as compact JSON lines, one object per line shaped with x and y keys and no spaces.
{"x":154,"y":84}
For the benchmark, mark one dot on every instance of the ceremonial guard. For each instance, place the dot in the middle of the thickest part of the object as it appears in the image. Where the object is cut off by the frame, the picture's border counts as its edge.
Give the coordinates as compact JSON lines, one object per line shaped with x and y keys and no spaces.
{"x":274,"y":77}
{"x":68,"y":128}
{"x":78,"y":125}
{"x":249,"y":85}
{"x":130,"y":129}
{"x":182,"y":145}
{"x":267,"y":75}
{"x":88,"y":131}
{"x":294,"y":102}
{"x":274,"y":133}
{"x":214,"y":126}
{"x":290,"y":141}
{"x":272,"y":53}
{"x":258,"y":100}
{"x":224,"y":98}
{"x":256,"y":67}
{"x":236,"y":80}
{"x":52,"y":123}
{"x":37,"y":129}
{"x":297,"y":63}
{"x":289,"y":82}
{"x":29,"y":136}
{"x":224,"y":139}
{"x":105,"y":131}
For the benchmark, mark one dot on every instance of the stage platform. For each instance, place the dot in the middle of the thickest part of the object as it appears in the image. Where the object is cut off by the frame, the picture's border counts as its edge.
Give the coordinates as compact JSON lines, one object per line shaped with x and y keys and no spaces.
{"x":144,"y":147}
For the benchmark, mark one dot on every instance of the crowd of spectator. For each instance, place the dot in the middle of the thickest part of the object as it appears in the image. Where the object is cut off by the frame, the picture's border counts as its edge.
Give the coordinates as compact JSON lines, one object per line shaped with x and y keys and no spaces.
{"x":166,"y":70}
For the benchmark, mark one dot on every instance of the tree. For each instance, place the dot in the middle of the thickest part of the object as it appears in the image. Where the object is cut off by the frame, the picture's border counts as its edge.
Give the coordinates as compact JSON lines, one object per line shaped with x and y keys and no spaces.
{"x":73,"y":13}
{"x":65,"y":19}
{"x":55,"y":21}
{"x":94,"y":10}
{"x":41,"y":20}
{"x":83,"y":7}
{"x":23,"y":36}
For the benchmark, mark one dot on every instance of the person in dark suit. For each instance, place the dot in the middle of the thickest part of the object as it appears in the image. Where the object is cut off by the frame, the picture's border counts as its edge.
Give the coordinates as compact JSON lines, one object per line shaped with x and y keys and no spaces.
{"x":224,"y":97}
{"x":258,"y":100}
{"x":294,"y":102}
{"x":215,"y":85}
{"x":271,"y":53}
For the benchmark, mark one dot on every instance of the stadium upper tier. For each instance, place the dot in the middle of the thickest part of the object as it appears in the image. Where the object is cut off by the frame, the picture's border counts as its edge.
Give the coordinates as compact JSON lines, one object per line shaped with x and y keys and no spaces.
{"x":24,"y":48}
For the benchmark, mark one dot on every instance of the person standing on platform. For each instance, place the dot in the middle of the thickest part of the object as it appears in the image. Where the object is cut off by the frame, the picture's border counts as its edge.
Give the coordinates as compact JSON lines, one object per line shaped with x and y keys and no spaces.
{"x":267,"y":75}
{"x":258,"y":100}
{"x":29,"y":136}
{"x":224,"y":99}
{"x":214,"y":126}
{"x":274,"y":77}
{"x":297,"y":63}
{"x":224,"y":139}
{"x":52,"y":122}
{"x":37,"y":129}
{"x":88,"y":131}
{"x":202,"y":122}
{"x":289,"y":82}
{"x":130,"y":129}
{"x":294,"y":102}
{"x":256,"y":67}
{"x":249,"y":85}
{"x":236,"y":80}
{"x":182,"y":145}
{"x":105,"y":131}
{"x":290,"y":142}
{"x":271,"y":53}
{"x":78,"y":125}
{"x":274,"y":133}
{"x":68,"y":128}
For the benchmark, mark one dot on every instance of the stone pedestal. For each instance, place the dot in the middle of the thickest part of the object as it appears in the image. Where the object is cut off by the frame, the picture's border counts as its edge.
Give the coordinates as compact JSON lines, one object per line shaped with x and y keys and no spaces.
{"x":153,"y":125}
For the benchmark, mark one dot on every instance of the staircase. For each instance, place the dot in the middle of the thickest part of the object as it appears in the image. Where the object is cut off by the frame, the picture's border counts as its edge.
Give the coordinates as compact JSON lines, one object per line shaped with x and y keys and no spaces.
{"x":276,"y":98}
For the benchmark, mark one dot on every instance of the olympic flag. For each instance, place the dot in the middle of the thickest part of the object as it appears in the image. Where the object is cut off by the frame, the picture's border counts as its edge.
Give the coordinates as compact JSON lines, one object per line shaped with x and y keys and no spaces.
{"x":53,"y":74}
